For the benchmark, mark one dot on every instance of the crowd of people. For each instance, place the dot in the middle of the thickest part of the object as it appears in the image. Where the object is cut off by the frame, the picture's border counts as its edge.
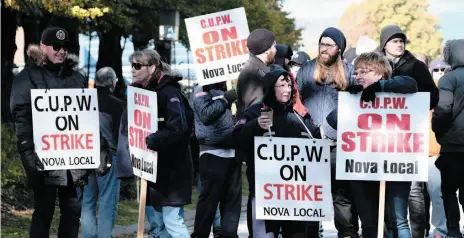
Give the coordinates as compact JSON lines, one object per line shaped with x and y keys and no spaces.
{"x":200,"y":139}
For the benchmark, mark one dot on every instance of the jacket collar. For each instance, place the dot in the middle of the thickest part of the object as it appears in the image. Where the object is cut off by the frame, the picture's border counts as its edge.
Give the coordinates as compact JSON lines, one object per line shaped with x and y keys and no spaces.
{"x":258,"y":63}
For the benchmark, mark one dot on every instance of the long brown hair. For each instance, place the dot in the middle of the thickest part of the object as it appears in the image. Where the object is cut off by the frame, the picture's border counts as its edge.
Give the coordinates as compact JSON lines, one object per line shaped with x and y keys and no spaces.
{"x":152,"y":57}
{"x":337,"y":70}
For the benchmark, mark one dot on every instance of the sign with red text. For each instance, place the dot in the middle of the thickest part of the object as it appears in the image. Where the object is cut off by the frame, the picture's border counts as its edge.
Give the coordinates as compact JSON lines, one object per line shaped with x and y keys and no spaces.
{"x":66,"y":128}
{"x":384,"y":140}
{"x":142,"y":117}
{"x":218,"y":42}
{"x":292,"y":178}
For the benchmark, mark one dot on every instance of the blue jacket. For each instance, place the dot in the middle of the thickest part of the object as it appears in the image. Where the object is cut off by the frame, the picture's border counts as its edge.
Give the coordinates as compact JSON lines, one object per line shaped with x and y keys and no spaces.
{"x":321,"y":99}
{"x":213,"y":119}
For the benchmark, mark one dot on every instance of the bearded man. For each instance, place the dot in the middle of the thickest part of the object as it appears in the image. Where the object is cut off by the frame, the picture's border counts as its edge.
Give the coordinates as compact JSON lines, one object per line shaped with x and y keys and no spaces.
{"x":319,"y":82}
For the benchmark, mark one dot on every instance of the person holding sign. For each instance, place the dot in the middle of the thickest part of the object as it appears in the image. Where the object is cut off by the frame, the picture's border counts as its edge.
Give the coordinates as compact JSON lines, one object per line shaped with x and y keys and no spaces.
{"x":52,"y":68}
{"x":275,"y":115}
{"x":373,"y":73}
{"x":173,"y":187}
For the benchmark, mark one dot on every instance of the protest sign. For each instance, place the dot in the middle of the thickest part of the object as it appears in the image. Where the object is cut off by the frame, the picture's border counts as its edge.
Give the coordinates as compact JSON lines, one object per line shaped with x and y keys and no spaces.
{"x":218,"y":42}
{"x":384,"y":140}
{"x":66,"y":128}
{"x":292,"y":178}
{"x":142,"y":117}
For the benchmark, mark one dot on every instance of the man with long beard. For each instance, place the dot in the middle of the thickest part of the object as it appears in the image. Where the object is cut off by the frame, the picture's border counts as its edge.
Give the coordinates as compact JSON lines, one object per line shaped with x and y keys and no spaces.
{"x":319,"y":82}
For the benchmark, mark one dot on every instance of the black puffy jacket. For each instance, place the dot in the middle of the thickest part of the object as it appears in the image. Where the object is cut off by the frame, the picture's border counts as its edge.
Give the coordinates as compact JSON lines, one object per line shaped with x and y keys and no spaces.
{"x":41,"y":75}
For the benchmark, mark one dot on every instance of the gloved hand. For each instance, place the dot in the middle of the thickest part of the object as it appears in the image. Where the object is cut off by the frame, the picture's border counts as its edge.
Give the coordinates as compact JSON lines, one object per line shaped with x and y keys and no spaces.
{"x":105,"y":159}
{"x":150,"y":141}
{"x":354,"y":89}
{"x":230,"y":96}
{"x":32,"y":164}
{"x":368,"y":94}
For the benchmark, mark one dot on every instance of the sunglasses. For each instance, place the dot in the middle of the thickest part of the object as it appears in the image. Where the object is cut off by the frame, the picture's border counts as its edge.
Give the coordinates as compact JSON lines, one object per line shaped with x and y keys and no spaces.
{"x":138,"y":66}
{"x":58,"y":47}
{"x":440,"y":69}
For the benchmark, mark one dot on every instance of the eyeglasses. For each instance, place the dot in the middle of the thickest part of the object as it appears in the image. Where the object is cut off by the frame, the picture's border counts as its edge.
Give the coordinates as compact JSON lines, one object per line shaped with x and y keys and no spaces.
{"x":439,"y":69}
{"x":57,"y":47}
{"x":327,"y":46}
{"x":138,"y":66}
{"x":290,"y":86}
{"x":362,"y":72}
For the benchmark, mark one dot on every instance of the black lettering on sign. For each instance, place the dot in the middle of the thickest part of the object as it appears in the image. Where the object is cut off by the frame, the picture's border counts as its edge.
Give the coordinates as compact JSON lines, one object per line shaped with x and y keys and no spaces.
{"x":84,"y":100}
{"x":297,"y":173}
{"x":274,"y":211}
{"x":259,"y":151}
{"x":57,"y":104}
{"x":70,"y":123}
{"x":352,"y":166}
{"x":37,"y":106}
{"x":282,"y":155}
{"x":67,"y":102}
{"x":314,"y":153}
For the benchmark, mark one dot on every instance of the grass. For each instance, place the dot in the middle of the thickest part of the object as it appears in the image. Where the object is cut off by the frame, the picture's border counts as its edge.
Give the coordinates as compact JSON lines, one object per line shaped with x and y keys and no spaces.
{"x":16,"y":225}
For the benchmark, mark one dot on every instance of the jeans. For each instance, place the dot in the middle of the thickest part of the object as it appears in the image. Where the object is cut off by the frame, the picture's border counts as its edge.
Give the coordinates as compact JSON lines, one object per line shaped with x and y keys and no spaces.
{"x":434,"y":191}
{"x":221,"y":181}
{"x":103,"y":190}
{"x":70,"y":202}
{"x":157,"y":228}
{"x":451,"y":166}
{"x":169,"y":222}
{"x":217,"y":217}
{"x":366,"y":197}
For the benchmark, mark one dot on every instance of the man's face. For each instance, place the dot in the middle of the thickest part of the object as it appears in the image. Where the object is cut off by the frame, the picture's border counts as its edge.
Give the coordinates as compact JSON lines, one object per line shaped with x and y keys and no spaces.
{"x":56,"y":52}
{"x":328,"y":51}
{"x":272,"y":53}
{"x":395,"y":47}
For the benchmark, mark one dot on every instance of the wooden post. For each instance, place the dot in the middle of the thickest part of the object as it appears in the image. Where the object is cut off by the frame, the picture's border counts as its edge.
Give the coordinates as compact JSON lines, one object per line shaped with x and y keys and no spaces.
{"x":143,"y":199}
{"x":381,"y":210}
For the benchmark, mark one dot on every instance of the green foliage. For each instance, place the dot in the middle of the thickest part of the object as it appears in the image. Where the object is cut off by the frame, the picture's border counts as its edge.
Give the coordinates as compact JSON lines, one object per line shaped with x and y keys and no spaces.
{"x":12,"y":169}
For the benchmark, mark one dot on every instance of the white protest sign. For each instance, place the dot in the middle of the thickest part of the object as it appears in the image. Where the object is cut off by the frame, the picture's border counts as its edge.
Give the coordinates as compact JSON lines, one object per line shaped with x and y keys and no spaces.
{"x":384,"y":140}
{"x":292,"y":179}
{"x":218,"y":42}
{"x":66,"y":128}
{"x":142,"y":116}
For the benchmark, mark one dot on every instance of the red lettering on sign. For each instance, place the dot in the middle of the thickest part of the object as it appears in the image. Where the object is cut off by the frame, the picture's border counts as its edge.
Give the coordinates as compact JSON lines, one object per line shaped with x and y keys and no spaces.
{"x":142,"y":119}
{"x":402,"y":142}
{"x":137,"y":138}
{"x":293,"y":192}
{"x":57,"y":142}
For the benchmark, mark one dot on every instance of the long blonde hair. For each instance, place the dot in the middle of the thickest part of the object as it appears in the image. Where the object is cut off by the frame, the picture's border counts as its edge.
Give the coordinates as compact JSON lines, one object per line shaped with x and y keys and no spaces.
{"x":152,"y":57}
{"x":337,"y":70}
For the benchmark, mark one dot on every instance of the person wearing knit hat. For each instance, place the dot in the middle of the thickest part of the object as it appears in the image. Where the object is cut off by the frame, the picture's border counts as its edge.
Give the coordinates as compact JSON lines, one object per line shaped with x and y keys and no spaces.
{"x":438,"y":68}
{"x":319,"y":82}
{"x":262,"y":46}
{"x":393,"y":45}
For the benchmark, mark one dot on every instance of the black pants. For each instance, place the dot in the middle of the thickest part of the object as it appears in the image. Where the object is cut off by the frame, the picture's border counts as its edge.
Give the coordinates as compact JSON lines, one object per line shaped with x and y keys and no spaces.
{"x":70,"y":200}
{"x":451,"y":166}
{"x":419,"y":209}
{"x":298,"y":229}
{"x":222,"y":183}
{"x":345,"y":212}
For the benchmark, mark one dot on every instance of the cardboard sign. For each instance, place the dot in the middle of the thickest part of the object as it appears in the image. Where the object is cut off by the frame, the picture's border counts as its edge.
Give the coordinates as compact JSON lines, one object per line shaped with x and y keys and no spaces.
{"x":292,"y":179}
{"x":383,"y":140}
{"x":142,"y":109}
{"x":218,"y":42}
{"x":66,"y":128}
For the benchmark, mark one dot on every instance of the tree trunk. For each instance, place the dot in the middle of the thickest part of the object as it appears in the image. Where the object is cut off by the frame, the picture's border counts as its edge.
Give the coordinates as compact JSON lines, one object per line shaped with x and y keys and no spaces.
{"x":164,"y":49}
{"x":33,"y":27}
{"x":8,"y":52}
{"x":140,"y":41}
{"x":109,"y":55}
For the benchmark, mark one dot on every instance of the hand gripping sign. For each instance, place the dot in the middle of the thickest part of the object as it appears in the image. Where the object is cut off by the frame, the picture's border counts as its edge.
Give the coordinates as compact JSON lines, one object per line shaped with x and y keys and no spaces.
{"x":218,"y":42}
{"x":383,"y":140}
{"x":292,"y":179}
{"x":66,"y":128}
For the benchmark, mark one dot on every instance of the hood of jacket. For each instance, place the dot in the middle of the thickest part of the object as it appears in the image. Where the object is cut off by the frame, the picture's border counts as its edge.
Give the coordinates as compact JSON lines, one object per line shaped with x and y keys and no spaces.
{"x":269,"y":98}
{"x":453,"y":53}
{"x":283,"y":52}
{"x":39,"y":58}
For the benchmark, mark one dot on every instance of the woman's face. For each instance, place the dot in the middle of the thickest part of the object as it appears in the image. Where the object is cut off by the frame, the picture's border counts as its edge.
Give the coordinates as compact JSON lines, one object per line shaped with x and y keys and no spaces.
{"x":141,"y":73}
{"x":366,"y":76}
{"x":283,"y":90}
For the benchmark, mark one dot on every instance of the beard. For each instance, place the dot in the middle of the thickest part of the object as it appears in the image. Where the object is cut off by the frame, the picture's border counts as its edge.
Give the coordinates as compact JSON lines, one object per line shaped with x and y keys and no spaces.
{"x":327,"y":59}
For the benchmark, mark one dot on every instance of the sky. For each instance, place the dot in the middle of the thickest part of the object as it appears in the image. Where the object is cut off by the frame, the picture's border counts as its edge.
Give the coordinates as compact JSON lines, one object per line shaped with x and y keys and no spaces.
{"x":329,"y":12}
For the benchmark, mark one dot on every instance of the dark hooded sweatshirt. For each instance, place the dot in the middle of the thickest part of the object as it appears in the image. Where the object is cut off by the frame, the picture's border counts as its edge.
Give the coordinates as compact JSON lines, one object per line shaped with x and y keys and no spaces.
{"x":173,"y":185}
{"x":408,"y":65}
{"x":40,"y":74}
{"x":448,"y":116}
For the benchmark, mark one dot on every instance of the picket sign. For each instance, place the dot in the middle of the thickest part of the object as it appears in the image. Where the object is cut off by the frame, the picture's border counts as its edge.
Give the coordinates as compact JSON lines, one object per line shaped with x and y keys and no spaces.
{"x":218,"y":42}
{"x":384,"y":140}
{"x":142,"y":117}
{"x":292,"y":179}
{"x":66,"y":128}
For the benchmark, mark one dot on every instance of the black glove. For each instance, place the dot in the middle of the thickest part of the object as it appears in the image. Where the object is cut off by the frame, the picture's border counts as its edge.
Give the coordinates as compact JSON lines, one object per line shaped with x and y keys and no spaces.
{"x":368,"y":94}
{"x":31,"y":163}
{"x":150,"y":141}
{"x":230,"y":96}
{"x":354,"y":89}
{"x":105,"y":159}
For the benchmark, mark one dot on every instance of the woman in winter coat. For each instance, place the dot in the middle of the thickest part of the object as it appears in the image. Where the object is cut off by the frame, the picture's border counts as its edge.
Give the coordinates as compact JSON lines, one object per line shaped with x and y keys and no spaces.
{"x":373,"y":73}
{"x":173,"y":187}
{"x":279,"y":95}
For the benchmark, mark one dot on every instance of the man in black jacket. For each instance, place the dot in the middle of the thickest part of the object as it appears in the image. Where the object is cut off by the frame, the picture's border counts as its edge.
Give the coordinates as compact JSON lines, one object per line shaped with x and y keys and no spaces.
{"x":104,"y":189}
{"x":448,"y":125}
{"x":51,"y":67}
{"x":392,"y":44}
